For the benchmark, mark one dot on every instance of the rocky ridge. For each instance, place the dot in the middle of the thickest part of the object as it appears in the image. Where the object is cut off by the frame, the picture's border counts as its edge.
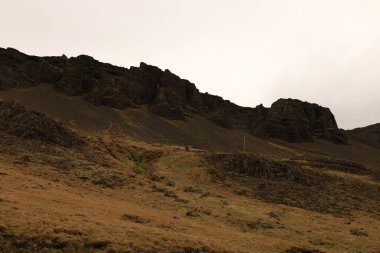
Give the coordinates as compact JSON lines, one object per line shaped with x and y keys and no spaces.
{"x":165,"y":94}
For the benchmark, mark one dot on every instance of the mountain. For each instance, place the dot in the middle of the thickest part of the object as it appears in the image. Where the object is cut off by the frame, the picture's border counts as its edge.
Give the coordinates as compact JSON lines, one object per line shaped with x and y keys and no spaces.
{"x":369,"y":135}
{"x":99,"y":158}
{"x":166,"y":95}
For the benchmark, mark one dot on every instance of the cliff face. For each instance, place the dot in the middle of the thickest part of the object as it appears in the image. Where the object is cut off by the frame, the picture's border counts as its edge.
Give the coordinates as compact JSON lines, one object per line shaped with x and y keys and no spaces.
{"x":165,"y":94}
{"x":294,"y":120}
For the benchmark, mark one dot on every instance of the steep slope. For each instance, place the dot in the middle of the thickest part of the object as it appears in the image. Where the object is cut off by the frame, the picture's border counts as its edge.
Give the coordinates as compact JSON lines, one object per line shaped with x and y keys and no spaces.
{"x":18,"y":121}
{"x":137,"y":123}
{"x":369,"y":135}
{"x":164,"y":94}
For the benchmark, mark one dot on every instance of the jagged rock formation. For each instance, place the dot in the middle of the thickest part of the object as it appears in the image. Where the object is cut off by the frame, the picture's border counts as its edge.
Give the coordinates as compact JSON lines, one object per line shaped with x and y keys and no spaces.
{"x":294,"y":120}
{"x":255,"y":166}
{"x":17,"y":121}
{"x":165,"y":94}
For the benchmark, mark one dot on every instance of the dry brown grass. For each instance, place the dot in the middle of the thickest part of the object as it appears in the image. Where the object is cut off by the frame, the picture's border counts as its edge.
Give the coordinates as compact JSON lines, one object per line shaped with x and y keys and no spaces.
{"x":54,"y":210}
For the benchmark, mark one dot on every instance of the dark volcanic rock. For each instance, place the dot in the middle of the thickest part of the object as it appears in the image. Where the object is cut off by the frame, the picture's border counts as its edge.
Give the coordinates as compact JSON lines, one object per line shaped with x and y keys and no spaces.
{"x":165,"y":94}
{"x":17,"y":121}
{"x":259,"y":167}
{"x":294,"y":120}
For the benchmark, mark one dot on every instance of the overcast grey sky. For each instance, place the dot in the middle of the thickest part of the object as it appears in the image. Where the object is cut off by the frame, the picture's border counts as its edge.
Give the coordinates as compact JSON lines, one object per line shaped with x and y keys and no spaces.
{"x":247,"y":51}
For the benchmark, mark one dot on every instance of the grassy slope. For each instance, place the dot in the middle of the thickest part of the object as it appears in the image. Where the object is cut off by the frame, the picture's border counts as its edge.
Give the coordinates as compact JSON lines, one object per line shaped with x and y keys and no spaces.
{"x":43,"y":201}
{"x":48,"y":195}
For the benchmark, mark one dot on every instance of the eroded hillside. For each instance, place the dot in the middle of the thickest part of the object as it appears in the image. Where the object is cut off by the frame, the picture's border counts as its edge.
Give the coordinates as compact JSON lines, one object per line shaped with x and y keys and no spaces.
{"x":110,"y":193}
{"x":164,"y":94}
{"x":99,"y":158}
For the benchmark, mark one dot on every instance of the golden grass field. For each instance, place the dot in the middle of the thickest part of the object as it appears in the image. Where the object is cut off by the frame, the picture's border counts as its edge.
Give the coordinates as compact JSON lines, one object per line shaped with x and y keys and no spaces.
{"x":50,"y":205}
{"x":138,"y":184}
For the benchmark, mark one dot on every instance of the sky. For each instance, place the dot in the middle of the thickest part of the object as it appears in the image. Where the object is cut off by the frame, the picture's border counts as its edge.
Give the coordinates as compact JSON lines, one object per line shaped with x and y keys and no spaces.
{"x":247,"y":51}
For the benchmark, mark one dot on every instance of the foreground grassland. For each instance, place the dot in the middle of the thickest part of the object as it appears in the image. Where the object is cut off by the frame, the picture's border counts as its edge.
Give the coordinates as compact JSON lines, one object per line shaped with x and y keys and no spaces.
{"x":118,"y":195}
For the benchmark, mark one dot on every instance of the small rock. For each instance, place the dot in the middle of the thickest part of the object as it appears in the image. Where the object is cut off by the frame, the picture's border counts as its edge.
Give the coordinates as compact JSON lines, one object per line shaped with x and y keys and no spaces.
{"x":192,"y":213}
{"x":170,"y":183}
{"x":359,"y":232}
{"x":192,"y":189}
{"x":135,"y":218}
{"x":171,"y":194}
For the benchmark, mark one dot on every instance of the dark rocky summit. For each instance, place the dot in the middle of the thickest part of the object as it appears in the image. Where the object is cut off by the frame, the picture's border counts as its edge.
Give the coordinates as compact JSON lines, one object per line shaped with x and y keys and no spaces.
{"x":165,"y":94}
{"x":294,"y":120}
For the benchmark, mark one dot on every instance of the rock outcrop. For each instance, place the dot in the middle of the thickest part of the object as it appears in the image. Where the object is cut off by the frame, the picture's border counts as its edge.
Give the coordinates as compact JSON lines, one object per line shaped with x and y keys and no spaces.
{"x":294,"y":120}
{"x":20,"y":122}
{"x":165,"y":94}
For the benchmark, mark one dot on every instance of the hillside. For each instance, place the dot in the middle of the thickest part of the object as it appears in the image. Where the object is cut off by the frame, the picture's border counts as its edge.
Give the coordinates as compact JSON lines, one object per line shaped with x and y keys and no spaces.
{"x":98,"y":158}
{"x":112,"y":194}
{"x":164,"y":94}
{"x":369,"y":135}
